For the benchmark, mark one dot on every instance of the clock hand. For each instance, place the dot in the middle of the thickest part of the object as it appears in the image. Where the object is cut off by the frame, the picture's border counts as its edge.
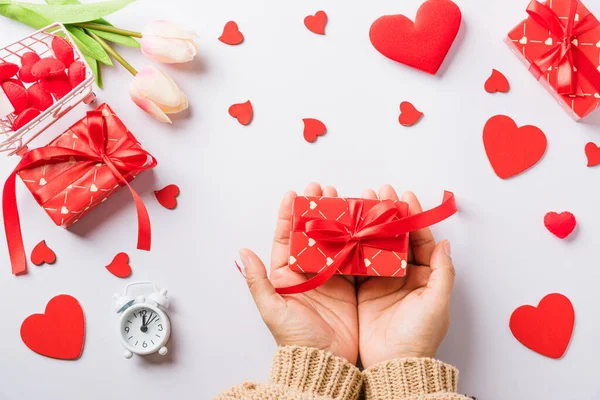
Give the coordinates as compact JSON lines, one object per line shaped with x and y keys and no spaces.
{"x":144,"y":328}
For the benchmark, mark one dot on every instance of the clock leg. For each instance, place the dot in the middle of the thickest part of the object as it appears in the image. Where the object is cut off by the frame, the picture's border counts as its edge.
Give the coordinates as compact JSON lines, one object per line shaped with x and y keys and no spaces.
{"x":163,"y":350}
{"x":128,"y":354}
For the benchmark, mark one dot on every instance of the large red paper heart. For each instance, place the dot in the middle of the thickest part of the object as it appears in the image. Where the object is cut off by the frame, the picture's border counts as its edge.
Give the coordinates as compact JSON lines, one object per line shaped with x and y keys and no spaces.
{"x":243,"y":112}
{"x":42,"y":254}
{"x":409,"y":115}
{"x":510,"y":149}
{"x":231,"y":34}
{"x":497,"y":82}
{"x":119,"y":266}
{"x":560,"y":225}
{"x":422,"y":44}
{"x":59,"y":332}
{"x":167,"y":196}
{"x":546,"y":329}
{"x":592,"y":152}
{"x":313,"y":128}
{"x":316,"y":23}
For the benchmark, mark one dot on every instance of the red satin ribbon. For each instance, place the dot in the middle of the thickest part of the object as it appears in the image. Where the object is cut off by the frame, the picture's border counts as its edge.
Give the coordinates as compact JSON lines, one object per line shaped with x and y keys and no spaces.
{"x":379,"y":228}
{"x":121,"y":158}
{"x":564,"y":56}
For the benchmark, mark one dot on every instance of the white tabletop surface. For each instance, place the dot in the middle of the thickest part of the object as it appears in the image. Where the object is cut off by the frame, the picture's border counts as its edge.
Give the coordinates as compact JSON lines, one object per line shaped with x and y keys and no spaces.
{"x":232,"y":178}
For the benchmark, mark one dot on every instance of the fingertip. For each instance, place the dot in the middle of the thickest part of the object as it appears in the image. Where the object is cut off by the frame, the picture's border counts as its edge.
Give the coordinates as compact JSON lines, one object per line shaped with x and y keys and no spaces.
{"x":414,"y":206}
{"x":330,"y":191}
{"x":387,"y":192}
{"x":369,"y":194}
{"x":313,"y":189}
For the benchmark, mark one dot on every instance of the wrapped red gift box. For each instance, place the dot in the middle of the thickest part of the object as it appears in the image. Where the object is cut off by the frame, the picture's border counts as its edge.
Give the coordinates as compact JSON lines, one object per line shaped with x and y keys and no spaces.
{"x":560,"y":44}
{"x":75,"y":172}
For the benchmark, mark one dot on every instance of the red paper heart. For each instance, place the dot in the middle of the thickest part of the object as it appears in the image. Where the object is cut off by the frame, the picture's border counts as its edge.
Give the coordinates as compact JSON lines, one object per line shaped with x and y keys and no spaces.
{"x":592,"y":153}
{"x":42,"y":254}
{"x":422,"y":44}
{"x":231,"y":34}
{"x":313,"y":128}
{"x":409,"y":115}
{"x":316,"y":23}
{"x":497,"y":82}
{"x":243,"y":112}
{"x":510,"y":149}
{"x":560,"y":225}
{"x":119,"y":266}
{"x":167,"y":196}
{"x":59,"y":332}
{"x":546,"y":329}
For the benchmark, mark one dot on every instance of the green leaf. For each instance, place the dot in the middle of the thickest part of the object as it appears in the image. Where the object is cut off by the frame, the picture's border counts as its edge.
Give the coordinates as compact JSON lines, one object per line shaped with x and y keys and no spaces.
{"x":95,"y":69}
{"x":73,"y":13}
{"x":18,"y":13}
{"x":89,"y":46}
{"x":116,"y":38}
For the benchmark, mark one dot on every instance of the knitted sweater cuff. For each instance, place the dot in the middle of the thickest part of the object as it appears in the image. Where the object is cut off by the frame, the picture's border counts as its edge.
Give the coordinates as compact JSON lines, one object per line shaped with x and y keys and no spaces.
{"x":315,"y":372}
{"x":408,"y":377}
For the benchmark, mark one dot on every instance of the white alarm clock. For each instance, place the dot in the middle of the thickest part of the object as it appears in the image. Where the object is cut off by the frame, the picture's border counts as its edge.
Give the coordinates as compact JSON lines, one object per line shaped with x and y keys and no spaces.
{"x":144,"y":327}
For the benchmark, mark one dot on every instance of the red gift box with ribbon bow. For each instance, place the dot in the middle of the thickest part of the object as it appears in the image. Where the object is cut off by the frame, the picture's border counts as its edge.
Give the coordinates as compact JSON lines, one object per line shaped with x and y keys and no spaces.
{"x":74,"y":173}
{"x":560,"y":44}
{"x":354,"y":237}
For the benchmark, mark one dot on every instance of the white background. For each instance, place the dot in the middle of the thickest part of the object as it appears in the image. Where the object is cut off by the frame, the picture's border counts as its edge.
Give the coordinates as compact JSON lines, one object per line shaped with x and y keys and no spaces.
{"x":232,"y":178}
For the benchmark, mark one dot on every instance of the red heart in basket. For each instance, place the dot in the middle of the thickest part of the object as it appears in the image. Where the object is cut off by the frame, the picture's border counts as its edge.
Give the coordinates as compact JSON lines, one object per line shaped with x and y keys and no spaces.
{"x":59,"y":332}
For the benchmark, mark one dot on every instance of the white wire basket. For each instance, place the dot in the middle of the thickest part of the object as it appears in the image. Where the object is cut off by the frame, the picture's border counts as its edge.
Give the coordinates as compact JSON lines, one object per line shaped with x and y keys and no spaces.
{"x":40,"y":42}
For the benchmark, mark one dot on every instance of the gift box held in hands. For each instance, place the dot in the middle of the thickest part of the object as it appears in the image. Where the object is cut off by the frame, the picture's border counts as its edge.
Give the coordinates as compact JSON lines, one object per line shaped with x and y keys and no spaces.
{"x":75,"y":172}
{"x":361,"y":237}
{"x":560,"y":43}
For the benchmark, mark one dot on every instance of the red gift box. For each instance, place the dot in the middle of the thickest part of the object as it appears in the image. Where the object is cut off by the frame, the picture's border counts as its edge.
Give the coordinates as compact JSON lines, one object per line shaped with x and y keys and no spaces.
{"x":360,"y":237}
{"x":75,"y":172}
{"x":560,"y":44}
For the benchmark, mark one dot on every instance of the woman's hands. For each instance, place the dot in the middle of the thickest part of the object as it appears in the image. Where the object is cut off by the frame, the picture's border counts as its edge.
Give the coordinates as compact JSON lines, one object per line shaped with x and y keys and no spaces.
{"x":325,"y":318}
{"x":399,"y":317}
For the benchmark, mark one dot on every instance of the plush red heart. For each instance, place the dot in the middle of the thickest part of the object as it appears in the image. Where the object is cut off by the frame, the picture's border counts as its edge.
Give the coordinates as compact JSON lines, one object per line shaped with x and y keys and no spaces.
{"x":316,"y":23}
{"x":7,"y":70}
{"x":546,"y":329}
{"x":510,"y":149}
{"x":48,"y":67}
{"x":63,"y":51}
{"x":119,"y":266}
{"x":497,"y":82}
{"x":17,"y":95}
{"x":59,"y":332}
{"x":76,"y":73}
{"x":28,"y":60}
{"x":409,"y":115}
{"x":24,"y":118}
{"x":167,"y":196}
{"x":560,"y":225}
{"x":42,"y":254}
{"x":243,"y":112}
{"x":313,"y":128}
{"x":592,"y":153}
{"x":231,"y":34}
{"x":38,"y":97}
{"x":58,"y":85}
{"x":422,"y":44}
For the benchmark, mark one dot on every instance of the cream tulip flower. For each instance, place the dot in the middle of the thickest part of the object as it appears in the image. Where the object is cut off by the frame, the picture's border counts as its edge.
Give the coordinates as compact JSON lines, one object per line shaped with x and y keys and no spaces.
{"x":166,"y":42}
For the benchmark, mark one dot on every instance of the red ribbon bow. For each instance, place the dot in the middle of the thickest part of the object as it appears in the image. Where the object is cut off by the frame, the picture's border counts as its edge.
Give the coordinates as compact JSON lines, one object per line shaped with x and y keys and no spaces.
{"x":565,"y":56}
{"x":121,"y":157}
{"x":379,"y":228}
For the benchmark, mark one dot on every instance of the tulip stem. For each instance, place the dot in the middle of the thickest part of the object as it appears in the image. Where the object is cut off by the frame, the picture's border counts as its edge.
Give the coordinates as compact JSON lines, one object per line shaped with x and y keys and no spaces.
{"x":113,"y":53}
{"x":108,"y":28}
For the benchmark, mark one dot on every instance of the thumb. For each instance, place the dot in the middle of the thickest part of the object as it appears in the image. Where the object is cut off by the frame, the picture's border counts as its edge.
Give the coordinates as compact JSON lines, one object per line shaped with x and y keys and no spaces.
{"x":441,"y":280}
{"x":263,"y":292}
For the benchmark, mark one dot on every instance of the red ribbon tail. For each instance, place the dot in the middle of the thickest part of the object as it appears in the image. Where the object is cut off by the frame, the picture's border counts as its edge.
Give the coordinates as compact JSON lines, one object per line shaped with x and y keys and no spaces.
{"x":12,"y":226}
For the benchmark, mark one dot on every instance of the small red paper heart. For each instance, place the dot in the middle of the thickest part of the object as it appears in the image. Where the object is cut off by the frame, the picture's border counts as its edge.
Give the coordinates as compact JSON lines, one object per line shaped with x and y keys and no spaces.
{"x":497,"y":82}
{"x":313,"y":128}
{"x":243,"y":112}
{"x":17,"y":95}
{"x":409,"y":115}
{"x":422,"y":44}
{"x":48,"y":67}
{"x":63,"y":51}
{"x":231,"y":34}
{"x":510,"y":149}
{"x":119,"y":266}
{"x":59,"y":332}
{"x":42,"y":254}
{"x":167,"y":196}
{"x":24,"y":118}
{"x":316,"y":23}
{"x":592,"y":153}
{"x":7,"y":70}
{"x":560,"y":225}
{"x":546,"y":329}
{"x":38,"y":97}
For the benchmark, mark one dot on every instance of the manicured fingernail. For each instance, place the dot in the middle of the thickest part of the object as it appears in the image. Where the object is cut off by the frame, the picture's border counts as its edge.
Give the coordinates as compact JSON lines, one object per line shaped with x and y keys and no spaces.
{"x":447,"y":248}
{"x":245,"y":259}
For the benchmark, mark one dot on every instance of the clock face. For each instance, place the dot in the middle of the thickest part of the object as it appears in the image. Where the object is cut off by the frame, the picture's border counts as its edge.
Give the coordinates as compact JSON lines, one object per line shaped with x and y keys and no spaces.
{"x":144,"y":329}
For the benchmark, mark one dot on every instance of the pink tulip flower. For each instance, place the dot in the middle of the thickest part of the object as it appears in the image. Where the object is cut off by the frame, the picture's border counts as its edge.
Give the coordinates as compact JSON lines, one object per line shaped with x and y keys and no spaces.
{"x":168,"y":43}
{"x":157,"y":94}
